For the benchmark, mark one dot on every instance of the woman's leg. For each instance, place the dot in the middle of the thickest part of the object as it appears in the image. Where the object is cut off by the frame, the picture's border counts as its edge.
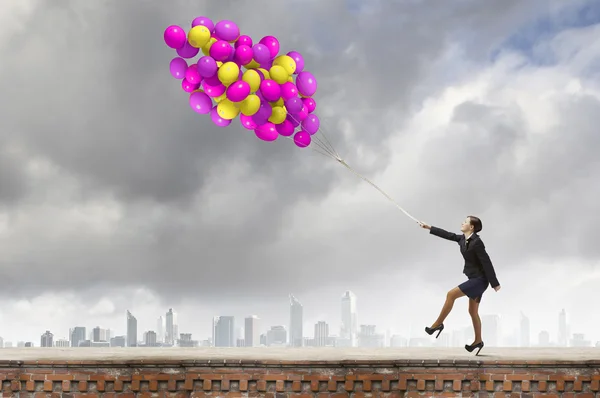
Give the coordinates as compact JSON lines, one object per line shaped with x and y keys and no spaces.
{"x":474,"y":312}
{"x":450,"y":298}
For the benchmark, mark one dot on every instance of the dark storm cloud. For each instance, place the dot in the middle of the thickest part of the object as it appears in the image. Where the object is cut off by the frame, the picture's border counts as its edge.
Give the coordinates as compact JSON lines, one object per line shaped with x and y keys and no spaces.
{"x":89,"y":90}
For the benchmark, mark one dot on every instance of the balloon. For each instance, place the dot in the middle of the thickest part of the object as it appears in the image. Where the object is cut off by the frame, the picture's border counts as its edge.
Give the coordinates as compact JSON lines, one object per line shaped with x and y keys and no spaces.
{"x":238,"y":91}
{"x":293,"y":120}
{"x":218,"y":120}
{"x":174,"y":36}
{"x":213,"y":91}
{"x":270,"y":90}
{"x":272,"y":44}
{"x":306,"y":83}
{"x":288,"y":90}
{"x":204,"y":21}
{"x":250,"y":105}
{"x":278,"y":116}
{"x":199,"y":36}
{"x":290,"y":79}
{"x":278,"y":74}
{"x":207,"y":66}
{"x":252,"y":64}
{"x":200,"y":102}
{"x":261,"y":53}
{"x":227,"y":109}
{"x":260,"y":118}
{"x":220,"y":97}
{"x":286,"y":62}
{"x":286,"y":128}
{"x":298,"y":59}
{"x":311,"y":124}
{"x":220,"y":50}
{"x":263,"y":114}
{"x":213,"y":80}
{"x":303,"y":114}
{"x":243,"y":54}
{"x":279,"y":102}
{"x":206,"y":48}
{"x":310,"y":104}
{"x":253,"y":79}
{"x":178,"y":67}
{"x":264,"y":72}
{"x":243,"y":40}
{"x":227,"y":30}
{"x":192,"y":75}
{"x":187,"y":51}
{"x":302,"y":139}
{"x":267,"y":132}
{"x":247,"y":122}
{"x":294,"y":105}
{"x":228,"y":72}
{"x":189,"y":87}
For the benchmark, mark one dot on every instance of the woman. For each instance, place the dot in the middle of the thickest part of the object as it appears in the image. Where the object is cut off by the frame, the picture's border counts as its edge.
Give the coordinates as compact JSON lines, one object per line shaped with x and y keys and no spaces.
{"x":479,"y":271}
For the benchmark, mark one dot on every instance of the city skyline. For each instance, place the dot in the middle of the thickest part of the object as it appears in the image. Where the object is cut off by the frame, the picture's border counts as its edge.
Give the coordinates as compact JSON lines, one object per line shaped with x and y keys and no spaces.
{"x":226,"y":333}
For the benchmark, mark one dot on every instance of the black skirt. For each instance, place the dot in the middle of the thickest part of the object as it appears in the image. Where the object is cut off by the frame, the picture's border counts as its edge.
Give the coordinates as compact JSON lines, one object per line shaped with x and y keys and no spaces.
{"x":474,"y":287}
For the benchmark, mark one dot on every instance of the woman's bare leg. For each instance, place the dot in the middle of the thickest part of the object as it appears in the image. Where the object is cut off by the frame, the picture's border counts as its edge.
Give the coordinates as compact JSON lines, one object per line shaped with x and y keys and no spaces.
{"x":474,"y":312}
{"x":450,"y":298}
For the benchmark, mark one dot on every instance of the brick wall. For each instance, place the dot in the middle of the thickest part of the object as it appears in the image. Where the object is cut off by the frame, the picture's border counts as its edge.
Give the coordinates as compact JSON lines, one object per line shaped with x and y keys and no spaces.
{"x":279,"y":379}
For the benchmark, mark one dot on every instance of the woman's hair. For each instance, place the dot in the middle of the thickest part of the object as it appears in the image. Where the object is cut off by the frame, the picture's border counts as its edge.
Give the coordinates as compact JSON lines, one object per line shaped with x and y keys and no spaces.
{"x":476,"y":223}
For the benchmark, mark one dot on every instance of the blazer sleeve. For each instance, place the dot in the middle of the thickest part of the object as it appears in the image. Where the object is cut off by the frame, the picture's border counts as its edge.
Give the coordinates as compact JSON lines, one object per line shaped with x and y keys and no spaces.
{"x":444,"y":234}
{"x":488,"y":268}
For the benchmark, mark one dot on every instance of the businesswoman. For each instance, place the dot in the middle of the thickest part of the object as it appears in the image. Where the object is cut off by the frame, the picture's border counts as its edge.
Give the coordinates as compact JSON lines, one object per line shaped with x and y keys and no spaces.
{"x":479,"y":271}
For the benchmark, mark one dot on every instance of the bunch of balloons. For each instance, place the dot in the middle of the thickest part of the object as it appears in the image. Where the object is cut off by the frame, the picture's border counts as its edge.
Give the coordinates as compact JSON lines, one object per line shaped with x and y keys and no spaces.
{"x":271,"y":92}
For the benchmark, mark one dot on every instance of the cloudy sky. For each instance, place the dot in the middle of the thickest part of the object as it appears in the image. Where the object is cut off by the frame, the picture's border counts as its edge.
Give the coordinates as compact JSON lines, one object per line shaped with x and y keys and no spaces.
{"x":115,"y":195}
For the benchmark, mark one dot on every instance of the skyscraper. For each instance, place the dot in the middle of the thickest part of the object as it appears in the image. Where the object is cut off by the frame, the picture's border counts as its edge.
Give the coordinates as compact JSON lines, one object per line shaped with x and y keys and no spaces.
{"x":131,"y":330}
{"x":77,"y":335}
{"x":525,"y":331}
{"x":223,"y":331}
{"x":47,"y":339}
{"x":490,"y":325}
{"x":251,"y":331}
{"x":172,"y":329}
{"x":563,"y":332}
{"x":349,"y":327}
{"x":296,"y":322}
{"x":321,"y":334}
{"x":160,"y":329}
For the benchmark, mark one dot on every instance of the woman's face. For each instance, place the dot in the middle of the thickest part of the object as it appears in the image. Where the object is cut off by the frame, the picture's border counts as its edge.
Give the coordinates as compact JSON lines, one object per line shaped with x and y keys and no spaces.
{"x":466,"y":226}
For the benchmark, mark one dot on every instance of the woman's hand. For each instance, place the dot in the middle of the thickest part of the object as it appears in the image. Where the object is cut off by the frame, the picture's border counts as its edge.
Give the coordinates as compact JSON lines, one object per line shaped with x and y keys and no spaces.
{"x":497,"y":288}
{"x":423,"y":225}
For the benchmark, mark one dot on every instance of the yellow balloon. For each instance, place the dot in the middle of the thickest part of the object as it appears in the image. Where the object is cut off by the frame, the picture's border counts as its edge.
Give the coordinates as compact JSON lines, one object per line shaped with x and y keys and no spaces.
{"x":250,"y":105}
{"x":228,"y":72}
{"x":286,"y":62}
{"x":199,"y":36}
{"x":279,"y":102}
{"x":265,"y":73}
{"x":278,"y":116}
{"x":220,"y":97}
{"x":253,"y":79}
{"x":219,"y":63}
{"x":252,"y":65}
{"x":291,"y":79}
{"x":227,"y":109}
{"x":278,"y":74}
{"x":208,"y":45}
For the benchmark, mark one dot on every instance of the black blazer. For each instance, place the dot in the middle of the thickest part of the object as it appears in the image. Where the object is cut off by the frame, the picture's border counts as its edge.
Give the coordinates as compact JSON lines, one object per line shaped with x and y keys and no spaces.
{"x":477,"y":261}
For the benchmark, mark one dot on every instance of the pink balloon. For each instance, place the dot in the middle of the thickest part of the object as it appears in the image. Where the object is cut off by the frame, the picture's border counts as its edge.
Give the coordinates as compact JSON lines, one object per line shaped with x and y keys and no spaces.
{"x":311,"y":124}
{"x":248,"y":122}
{"x":288,"y":90}
{"x":293,"y":120}
{"x":310,"y":104}
{"x":178,"y":67}
{"x":204,"y":21}
{"x":270,"y":90}
{"x":220,"y":50}
{"x":189,"y":87}
{"x":218,"y":120}
{"x":267,"y":132}
{"x":227,"y":30}
{"x":200,"y":102}
{"x":297,"y":57}
{"x":192,"y":75}
{"x":286,"y":128}
{"x":243,"y":40}
{"x":272,"y":44}
{"x":302,"y":139}
{"x":213,"y":91}
{"x":303,"y":114}
{"x":238,"y":91}
{"x":294,"y":105}
{"x":243,"y":55}
{"x":306,"y":83}
{"x":187,"y":51}
{"x":175,"y":37}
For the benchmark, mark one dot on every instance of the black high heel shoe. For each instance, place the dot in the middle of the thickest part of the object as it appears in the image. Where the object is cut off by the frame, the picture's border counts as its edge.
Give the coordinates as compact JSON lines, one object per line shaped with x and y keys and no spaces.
{"x":470,"y":348}
{"x":438,"y":329}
